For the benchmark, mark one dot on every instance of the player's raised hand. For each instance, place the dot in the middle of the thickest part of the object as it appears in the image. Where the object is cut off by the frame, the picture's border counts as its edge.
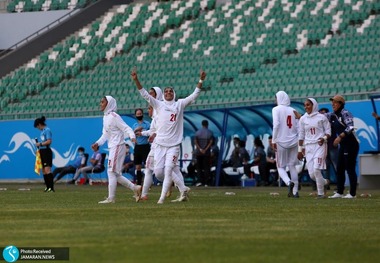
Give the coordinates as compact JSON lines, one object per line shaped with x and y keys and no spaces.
{"x":134,"y":73}
{"x":202,"y":75}
{"x":201,"y":78}
{"x":135,"y":78}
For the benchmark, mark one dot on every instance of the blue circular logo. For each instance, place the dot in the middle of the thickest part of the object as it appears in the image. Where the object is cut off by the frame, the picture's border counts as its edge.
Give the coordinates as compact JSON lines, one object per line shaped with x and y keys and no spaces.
{"x":11,"y":254}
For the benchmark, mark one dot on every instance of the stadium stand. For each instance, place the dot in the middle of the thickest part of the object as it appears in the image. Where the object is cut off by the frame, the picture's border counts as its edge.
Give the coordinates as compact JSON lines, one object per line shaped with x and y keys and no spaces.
{"x":250,"y":50}
{"x":45,"y":5}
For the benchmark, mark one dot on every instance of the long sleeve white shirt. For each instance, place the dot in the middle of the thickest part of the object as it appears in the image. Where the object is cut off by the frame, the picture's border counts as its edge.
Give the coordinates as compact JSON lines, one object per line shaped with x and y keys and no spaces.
{"x":115,"y":130}
{"x":285,"y":125}
{"x":169,"y":121}
{"x":314,"y":127}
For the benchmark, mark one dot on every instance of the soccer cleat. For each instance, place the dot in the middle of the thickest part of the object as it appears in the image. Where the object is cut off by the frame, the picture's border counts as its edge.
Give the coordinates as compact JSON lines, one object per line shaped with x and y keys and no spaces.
{"x":160,"y":201}
{"x":144,"y":198}
{"x":49,"y":190}
{"x":349,"y":196}
{"x":198,"y":184}
{"x":336,"y":195}
{"x":184,"y":195}
{"x":46,"y":189}
{"x":107,"y":201}
{"x":290,"y":189}
{"x":296,"y":195}
{"x":137,"y":192}
{"x":320,"y":197}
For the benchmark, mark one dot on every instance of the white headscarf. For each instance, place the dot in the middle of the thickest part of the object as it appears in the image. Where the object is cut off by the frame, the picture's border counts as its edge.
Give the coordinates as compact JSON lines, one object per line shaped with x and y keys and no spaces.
{"x":282,"y":98}
{"x":315,"y":107}
{"x":158,"y":93}
{"x":171,"y":105}
{"x":173,"y":100}
{"x":111,"y":105}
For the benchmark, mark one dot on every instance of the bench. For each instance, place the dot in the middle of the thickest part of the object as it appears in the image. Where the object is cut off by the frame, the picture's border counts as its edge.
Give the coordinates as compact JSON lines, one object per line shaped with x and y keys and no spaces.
{"x":369,"y":171}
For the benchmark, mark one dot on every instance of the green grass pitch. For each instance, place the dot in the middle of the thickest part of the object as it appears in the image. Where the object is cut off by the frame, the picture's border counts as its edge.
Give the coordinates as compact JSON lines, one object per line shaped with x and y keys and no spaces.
{"x":250,"y":226}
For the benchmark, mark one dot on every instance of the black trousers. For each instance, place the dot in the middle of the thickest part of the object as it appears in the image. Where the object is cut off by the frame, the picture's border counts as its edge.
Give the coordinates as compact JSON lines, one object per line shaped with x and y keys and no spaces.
{"x":62,"y":171}
{"x":203,"y":168}
{"x":347,"y":156}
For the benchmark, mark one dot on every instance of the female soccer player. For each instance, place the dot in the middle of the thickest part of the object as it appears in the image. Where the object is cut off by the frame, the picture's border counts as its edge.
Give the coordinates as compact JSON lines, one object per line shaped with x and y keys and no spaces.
{"x":115,"y":130}
{"x":285,"y":140}
{"x":169,"y":134}
{"x":314,"y":131}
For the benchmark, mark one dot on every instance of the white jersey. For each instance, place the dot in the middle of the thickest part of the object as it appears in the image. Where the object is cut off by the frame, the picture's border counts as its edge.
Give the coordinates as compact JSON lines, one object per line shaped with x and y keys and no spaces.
{"x":115,"y":130}
{"x":169,"y":122}
{"x":285,"y":125}
{"x":313,"y":127}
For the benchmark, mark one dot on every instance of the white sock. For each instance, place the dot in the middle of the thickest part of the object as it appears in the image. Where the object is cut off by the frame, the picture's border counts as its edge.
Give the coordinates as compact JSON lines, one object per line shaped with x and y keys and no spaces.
{"x":112,"y":184}
{"x":165,"y":186}
{"x":283,"y":175}
{"x":320,"y":182}
{"x":294,"y":178}
{"x":178,"y":179}
{"x":125,"y":182}
{"x":148,"y":181}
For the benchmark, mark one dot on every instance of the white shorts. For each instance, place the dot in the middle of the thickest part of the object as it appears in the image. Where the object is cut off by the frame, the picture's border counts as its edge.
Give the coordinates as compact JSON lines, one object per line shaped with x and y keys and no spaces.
{"x":116,"y":158}
{"x":166,"y":156}
{"x":316,"y":156}
{"x":286,"y":156}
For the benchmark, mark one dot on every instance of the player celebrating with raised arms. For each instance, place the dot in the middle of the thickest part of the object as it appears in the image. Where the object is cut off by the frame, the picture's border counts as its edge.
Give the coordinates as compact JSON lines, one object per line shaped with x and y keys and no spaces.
{"x":149,"y":167}
{"x":313,"y":133}
{"x":115,"y":130}
{"x":169,"y":134}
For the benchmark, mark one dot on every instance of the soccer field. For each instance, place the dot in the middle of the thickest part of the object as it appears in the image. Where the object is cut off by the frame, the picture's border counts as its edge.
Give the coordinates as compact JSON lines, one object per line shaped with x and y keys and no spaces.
{"x":250,"y":225}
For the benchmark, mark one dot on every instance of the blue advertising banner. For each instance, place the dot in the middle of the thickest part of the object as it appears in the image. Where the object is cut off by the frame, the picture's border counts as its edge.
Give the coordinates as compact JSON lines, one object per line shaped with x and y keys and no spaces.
{"x":17,"y":141}
{"x":17,"y":144}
